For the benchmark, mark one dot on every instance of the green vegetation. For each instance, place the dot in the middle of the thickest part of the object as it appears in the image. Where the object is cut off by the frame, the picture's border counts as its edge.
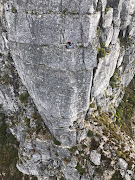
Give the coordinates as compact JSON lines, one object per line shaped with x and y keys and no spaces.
{"x":14,"y":10}
{"x":92,"y":105}
{"x":120,"y":154}
{"x":74,"y":12}
{"x":24,"y":97}
{"x":80,"y":169}
{"x":125,"y":155}
{"x":36,"y":115}
{"x":62,"y":178}
{"x":81,"y":152}
{"x":50,"y":11}
{"x":74,"y":122}
{"x":101,"y":53}
{"x":56,"y":154}
{"x":56,"y":142}
{"x":73,"y":149}
{"x":99,"y":108}
{"x":106,"y":95}
{"x":117,"y":176}
{"x":98,"y":30}
{"x":110,"y":128}
{"x":99,"y":171}
{"x":94,"y":144}
{"x":107,"y":161}
{"x":126,"y":42}
{"x":102,"y":50}
{"x":81,"y":46}
{"x":27,"y":121}
{"x":64,"y":11}
{"x":126,"y":109}
{"x":90,"y":133}
{"x":6,"y":79}
{"x":114,"y":80}
{"x":133,"y":62}
{"x":33,"y":13}
{"x":40,"y":127}
{"x":130,"y":163}
{"x":124,"y":120}
{"x":102,"y":119}
{"x":4,"y":30}
{"x":84,"y":146}
{"x":107,"y":9}
{"x":86,"y":117}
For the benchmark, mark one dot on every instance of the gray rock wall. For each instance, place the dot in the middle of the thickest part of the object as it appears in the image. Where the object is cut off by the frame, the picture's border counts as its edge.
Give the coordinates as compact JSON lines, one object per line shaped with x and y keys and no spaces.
{"x":63,"y":82}
{"x":59,"y":79}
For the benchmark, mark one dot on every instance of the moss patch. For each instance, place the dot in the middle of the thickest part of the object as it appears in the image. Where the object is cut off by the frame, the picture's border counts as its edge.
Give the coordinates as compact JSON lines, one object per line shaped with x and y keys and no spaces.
{"x":101,"y":53}
{"x":80,"y":169}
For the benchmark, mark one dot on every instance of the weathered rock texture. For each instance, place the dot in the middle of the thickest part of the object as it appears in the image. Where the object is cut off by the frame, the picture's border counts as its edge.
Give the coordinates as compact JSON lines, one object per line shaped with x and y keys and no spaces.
{"x":63,"y":82}
{"x":59,"y":80}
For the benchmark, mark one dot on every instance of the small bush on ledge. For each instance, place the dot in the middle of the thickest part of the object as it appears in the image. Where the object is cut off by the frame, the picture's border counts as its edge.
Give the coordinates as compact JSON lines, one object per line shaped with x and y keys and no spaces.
{"x":101,"y":53}
{"x":113,"y":81}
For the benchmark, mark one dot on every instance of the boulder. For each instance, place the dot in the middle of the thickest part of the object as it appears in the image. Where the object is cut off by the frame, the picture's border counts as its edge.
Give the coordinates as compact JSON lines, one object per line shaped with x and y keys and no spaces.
{"x":122,"y":164}
{"x":95,"y":157}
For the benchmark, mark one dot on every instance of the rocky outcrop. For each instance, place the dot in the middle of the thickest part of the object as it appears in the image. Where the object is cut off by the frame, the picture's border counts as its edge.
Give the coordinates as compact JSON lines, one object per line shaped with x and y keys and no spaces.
{"x":55,"y":97}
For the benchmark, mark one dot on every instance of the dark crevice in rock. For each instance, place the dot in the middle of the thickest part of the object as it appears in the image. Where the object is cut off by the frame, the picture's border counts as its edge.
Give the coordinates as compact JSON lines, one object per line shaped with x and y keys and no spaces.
{"x":14,"y":76}
{"x":94,"y":72}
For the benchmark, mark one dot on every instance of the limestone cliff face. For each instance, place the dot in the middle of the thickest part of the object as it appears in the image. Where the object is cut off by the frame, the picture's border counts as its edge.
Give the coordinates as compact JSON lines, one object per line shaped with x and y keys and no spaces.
{"x":66,"y":86}
{"x":59,"y":80}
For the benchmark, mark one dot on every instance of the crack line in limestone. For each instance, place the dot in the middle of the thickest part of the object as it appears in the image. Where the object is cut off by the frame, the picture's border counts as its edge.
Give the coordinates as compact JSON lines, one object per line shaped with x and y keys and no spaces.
{"x":83,"y":56}
{"x":94,"y":72}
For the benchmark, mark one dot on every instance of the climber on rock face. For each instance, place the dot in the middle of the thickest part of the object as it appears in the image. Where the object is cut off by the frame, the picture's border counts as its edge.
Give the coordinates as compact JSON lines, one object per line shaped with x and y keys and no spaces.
{"x":68,"y":44}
